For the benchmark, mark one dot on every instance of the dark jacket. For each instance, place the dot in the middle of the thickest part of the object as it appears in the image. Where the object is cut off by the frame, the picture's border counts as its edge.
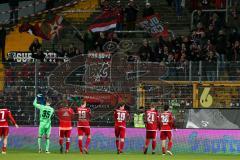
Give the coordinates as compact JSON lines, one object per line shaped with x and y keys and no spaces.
{"x":13,"y":3}
{"x":145,"y":53}
{"x":148,"y":12}
{"x":3,"y":34}
{"x":131,"y":13}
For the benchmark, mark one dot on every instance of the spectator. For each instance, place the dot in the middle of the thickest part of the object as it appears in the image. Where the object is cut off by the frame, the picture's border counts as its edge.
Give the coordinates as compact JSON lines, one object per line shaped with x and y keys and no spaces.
{"x":234,"y":9}
{"x":35,"y":46}
{"x":120,"y":16}
{"x":205,"y":4}
{"x":165,"y":55}
{"x":3,"y":35}
{"x":13,"y":5}
{"x":220,"y":4}
{"x":169,"y":2}
{"x":131,"y":12}
{"x":145,"y":52}
{"x":236,"y":51}
{"x":148,"y":10}
{"x":38,"y":55}
{"x":36,"y":50}
{"x":199,"y":18}
{"x":234,"y":35}
{"x":101,"y":41}
{"x":50,"y":4}
{"x":158,"y":49}
{"x":88,"y":40}
{"x":211,"y":34}
{"x":105,"y":6}
{"x":221,"y":44}
{"x":178,"y":8}
{"x":211,"y":65}
{"x":71,"y":51}
{"x":113,"y":37}
{"x":194,"y":4}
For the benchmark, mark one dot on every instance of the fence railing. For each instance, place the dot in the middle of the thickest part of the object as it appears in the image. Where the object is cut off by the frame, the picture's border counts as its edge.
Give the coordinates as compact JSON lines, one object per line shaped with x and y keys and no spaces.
{"x":225,"y":10}
{"x":104,"y":80}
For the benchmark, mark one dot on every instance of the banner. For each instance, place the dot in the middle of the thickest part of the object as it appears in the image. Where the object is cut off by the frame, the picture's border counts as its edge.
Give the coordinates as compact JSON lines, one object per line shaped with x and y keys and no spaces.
{"x":46,"y":29}
{"x":154,"y":26}
{"x":106,"y":21}
{"x":98,"y":68}
{"x":103,"y":140}
{"x":213,"y":118}
{"x":24,"y":57}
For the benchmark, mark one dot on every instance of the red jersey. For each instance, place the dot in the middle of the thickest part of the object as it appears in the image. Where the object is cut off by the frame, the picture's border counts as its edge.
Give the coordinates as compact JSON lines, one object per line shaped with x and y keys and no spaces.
{"x":151,"y":119}
{"x":65,"y":116}
{"x":166,"y":121}
{"x":120,"y":117}
{"x":84,"y":115}
{"x":5,"y":115}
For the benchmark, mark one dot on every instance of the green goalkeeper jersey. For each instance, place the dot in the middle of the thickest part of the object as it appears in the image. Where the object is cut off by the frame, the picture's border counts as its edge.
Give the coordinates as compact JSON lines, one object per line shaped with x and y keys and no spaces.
{"x":46,"y":113}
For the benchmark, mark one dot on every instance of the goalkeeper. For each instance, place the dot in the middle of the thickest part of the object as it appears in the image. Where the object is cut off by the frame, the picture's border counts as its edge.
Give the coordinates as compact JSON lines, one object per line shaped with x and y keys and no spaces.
{"x":46,"y":113}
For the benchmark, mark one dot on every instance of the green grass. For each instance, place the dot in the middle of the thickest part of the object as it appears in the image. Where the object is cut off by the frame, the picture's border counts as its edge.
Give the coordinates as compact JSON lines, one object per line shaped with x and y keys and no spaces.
{"x":25,"y":155}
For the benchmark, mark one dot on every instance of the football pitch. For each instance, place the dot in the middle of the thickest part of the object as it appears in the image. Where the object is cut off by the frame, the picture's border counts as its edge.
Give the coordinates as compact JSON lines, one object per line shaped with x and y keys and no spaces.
{"x":25,"y":155}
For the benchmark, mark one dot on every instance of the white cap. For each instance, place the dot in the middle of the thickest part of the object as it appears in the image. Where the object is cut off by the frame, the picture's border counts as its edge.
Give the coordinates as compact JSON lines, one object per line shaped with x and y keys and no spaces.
{"x":118,"y":1}
{"x":148,"y":4}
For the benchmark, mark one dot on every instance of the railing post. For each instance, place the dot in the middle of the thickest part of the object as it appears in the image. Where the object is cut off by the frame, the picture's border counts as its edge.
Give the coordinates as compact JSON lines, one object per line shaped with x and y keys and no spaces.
{"x":226,"y":19}
{"x":36,"y":88}
{"x":217,"y":78}
{"x":192,"y":18}
{"x":190,"y":71}
{"x":200,"y":72}
{"x":34,"y":6}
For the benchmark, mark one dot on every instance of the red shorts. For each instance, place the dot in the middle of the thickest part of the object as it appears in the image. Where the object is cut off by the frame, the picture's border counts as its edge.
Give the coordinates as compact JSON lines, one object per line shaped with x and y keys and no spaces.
{"x":151,"y":134}
{"x":65,"y":133}
{"x":165,"y":134}
{"x":4,"y":131}
{"x":120,"y":132}
{"x":83,"y":130}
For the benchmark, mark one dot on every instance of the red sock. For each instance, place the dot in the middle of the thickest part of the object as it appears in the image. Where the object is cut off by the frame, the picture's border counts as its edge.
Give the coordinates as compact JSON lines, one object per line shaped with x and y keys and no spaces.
{"x":60,"y":141}
{"x":80,"y":145}
{"x":154,"y":144}
{"x":121,"y":145}
{"x":68,"y":145}
{"x":163,"y":150}
{"x":87,"y":142}
{"x":117,"y":144}
{"x":147,"y":141}
{"x":4,"y":149}
{"x":170,"y":144}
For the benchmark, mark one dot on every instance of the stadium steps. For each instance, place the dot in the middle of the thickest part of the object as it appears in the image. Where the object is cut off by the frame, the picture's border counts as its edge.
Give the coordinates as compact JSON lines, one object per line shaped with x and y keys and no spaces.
{"x":80,"y":18}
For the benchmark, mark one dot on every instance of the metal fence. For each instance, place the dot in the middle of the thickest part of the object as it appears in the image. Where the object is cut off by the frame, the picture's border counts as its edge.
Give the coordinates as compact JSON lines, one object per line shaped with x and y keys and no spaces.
{"x":106,"y":79}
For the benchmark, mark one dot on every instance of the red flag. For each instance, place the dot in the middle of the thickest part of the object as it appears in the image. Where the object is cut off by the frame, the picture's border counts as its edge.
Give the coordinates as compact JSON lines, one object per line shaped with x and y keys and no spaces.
{"x":154,"y":25}
{"x":106,"y":21}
